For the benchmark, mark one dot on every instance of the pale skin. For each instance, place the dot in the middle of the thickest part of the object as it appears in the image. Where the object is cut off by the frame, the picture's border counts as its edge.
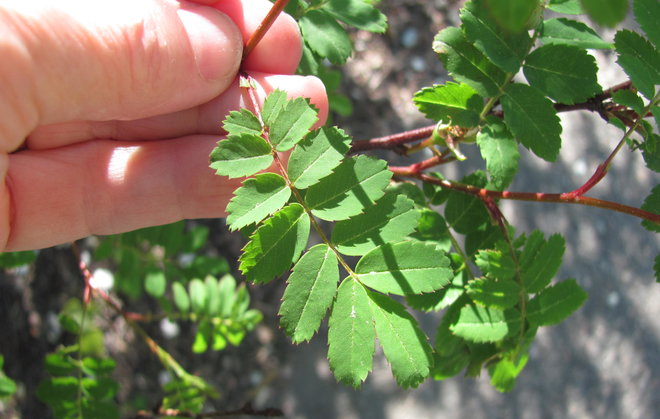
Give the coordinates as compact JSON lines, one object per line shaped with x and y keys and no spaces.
{"x":110,"y":110}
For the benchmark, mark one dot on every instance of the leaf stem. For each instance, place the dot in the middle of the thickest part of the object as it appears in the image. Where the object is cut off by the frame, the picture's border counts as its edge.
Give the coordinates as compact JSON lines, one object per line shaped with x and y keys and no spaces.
{"x":268,"y":21}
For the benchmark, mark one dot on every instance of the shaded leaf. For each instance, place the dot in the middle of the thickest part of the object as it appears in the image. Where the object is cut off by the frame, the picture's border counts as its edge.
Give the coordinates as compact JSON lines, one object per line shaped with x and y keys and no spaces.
{"x":533,"y":120}
{"x":540,"y":260}
{"x":570,"y":32}
{"x":505,"y":48}
{"x":500,"y":150}
{"x":568,"y":7}
{"x":652,"y":204}
{"x":351,"y":334}
{"x":480,"y":324}
{"x":651,"y":152}
{"x":311,"y":288}
{"x":458,"y":104}
{"x":555,"y":303}
{"x":405,"y":268}
{"x":500,"y":293}
{"x":646,"y":13}
{"x":466,"y":213}
{"x":467,"y":64}
{"x":241,"y":155}
{"x":317,"y":155}
{"x":325,"y":36}
{"x":355,"y":184}
{"x":656,"y":268}
{"x":256,"y":199}
{"x":10,"y":260}
{"x":391,"y":218}
{"x":276,"y":244}
{"x":357,"y":13}
{"x":639,"y":59}
{"x":496,"y":264}
{"x":630,"y":99}
{"x":515,"y":15}
{"x":606,"y":12}
{"x":565,"y":73}
{"x":404,"y":343}
{"x":503,"y":373}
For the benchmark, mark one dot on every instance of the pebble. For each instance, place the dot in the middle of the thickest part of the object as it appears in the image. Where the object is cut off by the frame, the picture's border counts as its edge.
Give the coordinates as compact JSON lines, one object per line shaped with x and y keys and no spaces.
{"x":409,"y":37}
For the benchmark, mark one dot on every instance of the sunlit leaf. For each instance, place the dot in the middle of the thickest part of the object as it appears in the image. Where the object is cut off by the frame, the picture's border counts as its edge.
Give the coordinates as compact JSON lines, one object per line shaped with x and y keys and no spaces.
{"x":325,"y":36}
{"x":357,"y":13}
{"x":241,"y":155}
{"x":500,"y":150}
{"x":494,"y":293}
{"x":458,"y":104}
{"x":259,"y":197}
{"x":555,"y":303}
{"x":289,"y":121}
{"x":640,"y":60}
{"x":646,"y":14}
{"x":571,"y":32}
{"x":480,"y":324}
{"x":242,"y":121}
{"x":540,"y":260}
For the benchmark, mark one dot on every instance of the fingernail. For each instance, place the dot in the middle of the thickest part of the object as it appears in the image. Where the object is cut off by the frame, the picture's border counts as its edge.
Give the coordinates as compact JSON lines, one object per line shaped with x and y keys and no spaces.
{"x":215,"y":40}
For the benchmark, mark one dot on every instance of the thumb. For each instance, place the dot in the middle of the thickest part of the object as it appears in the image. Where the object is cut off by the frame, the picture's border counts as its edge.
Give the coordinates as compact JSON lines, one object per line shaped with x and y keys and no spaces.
{"x":126,"y":59}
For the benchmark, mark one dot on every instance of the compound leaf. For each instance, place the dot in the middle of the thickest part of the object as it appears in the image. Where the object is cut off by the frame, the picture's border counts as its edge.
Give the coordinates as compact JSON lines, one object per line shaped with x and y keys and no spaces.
{"x":355,"y":184}
{"x":555,"y":303}
{"x":325,"y":36}
{"x":571,"y":32}
{"x":467,"y":64}
{"x":500,"y":293}
{"x":241,"y":122}
{"x":317,"y":155}
{"x":256,"y":199}
{"x":405,"y":345}
{"x":504,"y":48}
{"x":458,"y":104}
{"x":405,"y":268}
{"x":652,"y":204}
{"x":606,"y":12}
{"x":639,"y":59}
{"x":241,"y":155}
{"x":500,"y":150}
{"x":565,"y":73}
{"x":310,"y":289}
{"x":351,"y":334}
{"x":276,"y":244}
{"x":391,"y":218}
{"x":540,"y":260}
{"x":357,"y":13}
{"x":533,"y":120}
{"x":646,"y":13}
{"x":481,"y":324}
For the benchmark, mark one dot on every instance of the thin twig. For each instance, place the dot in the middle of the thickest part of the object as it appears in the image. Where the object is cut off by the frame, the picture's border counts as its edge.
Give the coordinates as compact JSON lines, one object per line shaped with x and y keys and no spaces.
{"x":264,"y":26}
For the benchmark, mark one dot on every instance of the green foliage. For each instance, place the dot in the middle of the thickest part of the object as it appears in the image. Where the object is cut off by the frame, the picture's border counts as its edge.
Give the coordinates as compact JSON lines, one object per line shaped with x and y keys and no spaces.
{"x":606,"y":12}
{"x":7,"y":385}
{"x":555,"y":303}
{"x":564,"y":31}
{"x":458,"y":104}
{"x":10,"y":260}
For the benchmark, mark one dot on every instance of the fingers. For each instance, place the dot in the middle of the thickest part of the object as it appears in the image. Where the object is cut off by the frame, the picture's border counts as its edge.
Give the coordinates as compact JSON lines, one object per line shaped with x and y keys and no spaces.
{"x":127,"y":59}
{"x":105,"y":187}
{"x":204,"y":119}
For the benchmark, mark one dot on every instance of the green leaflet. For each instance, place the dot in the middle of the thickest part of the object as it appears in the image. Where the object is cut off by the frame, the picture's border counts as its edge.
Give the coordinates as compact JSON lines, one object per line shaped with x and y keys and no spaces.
{"x":180,"y":297}
{"x":651,"y":152}
{"x":405,"y":268}
{"x":568,"y":7}
{"x":466,"y":213}
{"x":652,"y":204}
{"x":496,"y":264}
{"x":405,"y":345}
{"x":630,"y":99}
{"x":503,"y":373}
{"x":357,"y":13}
{"x":351,"y":334}
{"x":15,"y":259}
{"x":458,"y":104}
{"x":256,"y":199}
{"x":276,"y":244}
{"x":570,"y":32}
{"x":646,"y":14}
{"x":241,"y":155}
{"x":467,"y":64}
{"x":325,"y":36}
{"x":480,"y":324}
{"x":540,"y":260}
{"x":504,"y":48}
{"x":515,"y":16}
{"x":288,"y":121}
{"x":606,"y":12}
{"x":311,"y":288}
{"x":317,"y":155}
{"x":391,"y":218}
{"x":565,"y":73}
{"x":500,"y":150}
{"x":555,"y":303}
{"x":656,"y":268}
{"x":197,"y":292}
{"x":242,"y":122}
{"x":640,"y":60}
{"x":532,"y":120}
{"x":355,"y":184}
{"x":500,"y":293}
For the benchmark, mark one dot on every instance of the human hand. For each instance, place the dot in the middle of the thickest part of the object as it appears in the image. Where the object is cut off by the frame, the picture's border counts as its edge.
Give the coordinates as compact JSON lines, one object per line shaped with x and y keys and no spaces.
{"x":111,"y":109}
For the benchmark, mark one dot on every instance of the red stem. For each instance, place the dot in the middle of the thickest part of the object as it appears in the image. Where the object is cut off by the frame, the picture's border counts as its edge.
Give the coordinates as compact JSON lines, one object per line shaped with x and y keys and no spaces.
{"x":264,"y":26}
